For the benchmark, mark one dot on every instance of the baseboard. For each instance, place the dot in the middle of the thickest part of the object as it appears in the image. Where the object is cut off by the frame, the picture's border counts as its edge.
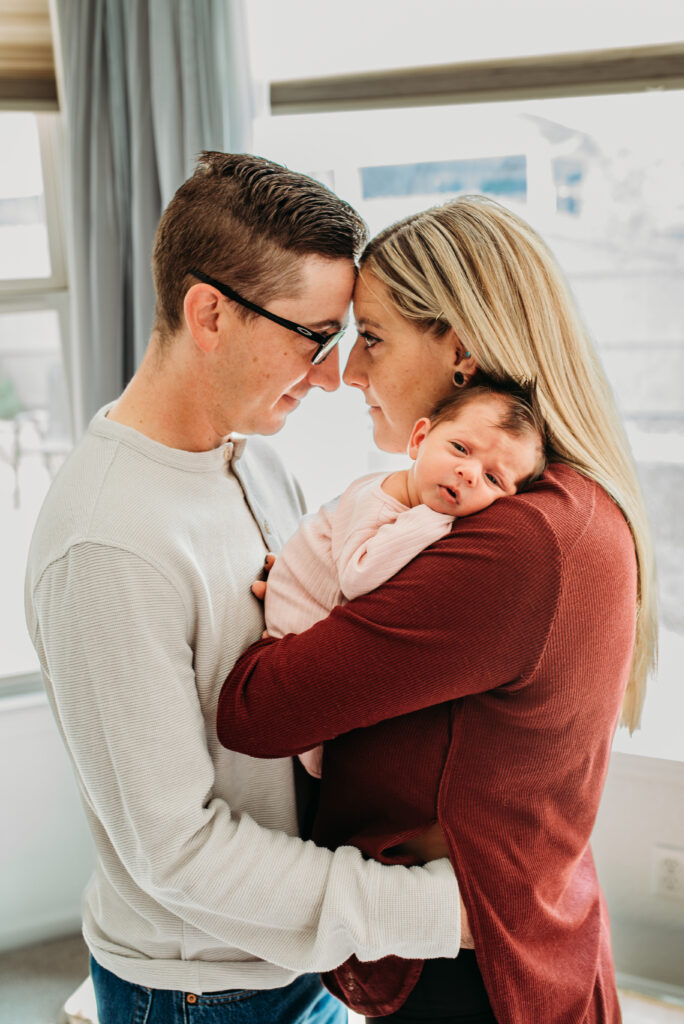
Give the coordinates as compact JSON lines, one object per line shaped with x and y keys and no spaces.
{"x":659,"y":990}
{"x":58,"y":926}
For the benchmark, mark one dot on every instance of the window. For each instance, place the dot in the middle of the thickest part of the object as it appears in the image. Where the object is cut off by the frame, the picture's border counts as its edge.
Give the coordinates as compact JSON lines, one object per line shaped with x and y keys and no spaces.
{"x":35,"y":430}
{"x":600,"y":178}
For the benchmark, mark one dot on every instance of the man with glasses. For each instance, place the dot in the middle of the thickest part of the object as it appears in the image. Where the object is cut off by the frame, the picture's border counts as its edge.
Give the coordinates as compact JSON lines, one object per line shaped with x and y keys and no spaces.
{"x":204,"y":900}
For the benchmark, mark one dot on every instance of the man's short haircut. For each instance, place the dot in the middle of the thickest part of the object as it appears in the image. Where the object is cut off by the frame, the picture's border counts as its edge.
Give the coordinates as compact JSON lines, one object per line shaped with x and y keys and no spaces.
{"x":242,"y":219}
{"x":521,"y":417}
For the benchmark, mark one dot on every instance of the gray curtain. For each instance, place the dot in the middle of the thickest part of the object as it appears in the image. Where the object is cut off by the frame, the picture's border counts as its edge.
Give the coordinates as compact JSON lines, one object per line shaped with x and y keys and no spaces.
{"x":148,"y":84}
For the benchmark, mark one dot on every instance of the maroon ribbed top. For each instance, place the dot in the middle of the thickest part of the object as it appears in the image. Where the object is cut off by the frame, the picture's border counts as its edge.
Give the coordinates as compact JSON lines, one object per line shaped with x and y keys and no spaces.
{"x":481,"y":687}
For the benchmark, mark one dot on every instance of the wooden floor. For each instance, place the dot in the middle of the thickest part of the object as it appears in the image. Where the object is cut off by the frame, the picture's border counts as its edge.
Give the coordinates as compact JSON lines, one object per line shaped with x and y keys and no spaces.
{"x":637,"y":1009}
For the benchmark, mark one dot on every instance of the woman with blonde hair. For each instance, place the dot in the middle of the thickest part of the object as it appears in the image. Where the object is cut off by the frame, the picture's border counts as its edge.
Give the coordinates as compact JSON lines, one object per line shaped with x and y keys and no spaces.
{"x":468,"y":705}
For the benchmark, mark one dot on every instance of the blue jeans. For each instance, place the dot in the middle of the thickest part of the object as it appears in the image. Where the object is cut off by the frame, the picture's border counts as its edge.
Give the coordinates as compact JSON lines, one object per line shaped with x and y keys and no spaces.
{"x":305,"y":1001}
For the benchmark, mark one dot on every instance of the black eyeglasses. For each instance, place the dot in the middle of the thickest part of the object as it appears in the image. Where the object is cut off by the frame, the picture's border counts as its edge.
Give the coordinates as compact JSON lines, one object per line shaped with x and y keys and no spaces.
{"x":326,"y":342}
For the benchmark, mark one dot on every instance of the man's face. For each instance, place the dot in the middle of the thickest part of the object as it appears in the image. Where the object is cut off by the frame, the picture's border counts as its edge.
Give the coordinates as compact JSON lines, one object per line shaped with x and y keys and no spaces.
{"x":265,"y":370}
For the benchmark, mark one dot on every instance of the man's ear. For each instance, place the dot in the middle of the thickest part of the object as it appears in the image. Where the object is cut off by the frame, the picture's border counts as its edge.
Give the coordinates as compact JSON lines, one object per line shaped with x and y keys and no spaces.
{"x":202,"y":309}
{"x":421,"y":429}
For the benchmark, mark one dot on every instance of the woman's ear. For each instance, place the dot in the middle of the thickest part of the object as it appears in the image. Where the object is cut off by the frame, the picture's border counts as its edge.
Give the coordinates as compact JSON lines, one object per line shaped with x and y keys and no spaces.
{"x":462,"y":359}
{"x":421,"y":429}
{"x":202,"y":309}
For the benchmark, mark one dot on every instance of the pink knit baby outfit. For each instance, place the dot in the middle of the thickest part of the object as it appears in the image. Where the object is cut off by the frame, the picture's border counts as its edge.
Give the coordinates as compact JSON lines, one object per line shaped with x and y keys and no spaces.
{"x":352,"y":545}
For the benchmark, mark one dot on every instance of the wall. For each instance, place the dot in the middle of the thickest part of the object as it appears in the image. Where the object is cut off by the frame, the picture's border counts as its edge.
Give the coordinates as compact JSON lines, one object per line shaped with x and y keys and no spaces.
{"x":46,"y":855}
{"x":642,"y":805}
{"x":45,"y":850}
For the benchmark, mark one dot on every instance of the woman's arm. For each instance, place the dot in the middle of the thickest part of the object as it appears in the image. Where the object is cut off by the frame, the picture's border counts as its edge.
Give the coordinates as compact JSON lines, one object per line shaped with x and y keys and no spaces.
{"x":470,"y":614}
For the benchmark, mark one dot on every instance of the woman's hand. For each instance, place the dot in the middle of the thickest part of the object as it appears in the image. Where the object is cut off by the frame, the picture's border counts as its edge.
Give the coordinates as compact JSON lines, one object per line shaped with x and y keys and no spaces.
{"x":429,"y":845}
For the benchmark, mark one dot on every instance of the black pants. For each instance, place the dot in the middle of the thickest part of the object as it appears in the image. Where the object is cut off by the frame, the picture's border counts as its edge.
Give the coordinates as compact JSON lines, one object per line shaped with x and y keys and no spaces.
{"x":448,"y":992}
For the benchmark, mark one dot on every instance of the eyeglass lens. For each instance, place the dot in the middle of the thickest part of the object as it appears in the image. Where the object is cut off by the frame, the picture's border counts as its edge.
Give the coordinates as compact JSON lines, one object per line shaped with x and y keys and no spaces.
{"x":327,"y":348}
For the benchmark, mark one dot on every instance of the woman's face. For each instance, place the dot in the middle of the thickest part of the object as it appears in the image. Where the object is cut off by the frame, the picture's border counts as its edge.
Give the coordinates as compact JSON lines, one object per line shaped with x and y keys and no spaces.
{"x":402,"y":371}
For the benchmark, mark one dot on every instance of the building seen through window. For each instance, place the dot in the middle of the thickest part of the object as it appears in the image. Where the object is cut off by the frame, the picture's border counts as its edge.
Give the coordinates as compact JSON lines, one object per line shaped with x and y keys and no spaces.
{"x":495,"y":176}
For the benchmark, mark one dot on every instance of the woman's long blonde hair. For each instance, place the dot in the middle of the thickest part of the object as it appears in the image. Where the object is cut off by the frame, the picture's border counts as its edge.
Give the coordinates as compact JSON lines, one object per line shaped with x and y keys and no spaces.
{"x":474,"y":266}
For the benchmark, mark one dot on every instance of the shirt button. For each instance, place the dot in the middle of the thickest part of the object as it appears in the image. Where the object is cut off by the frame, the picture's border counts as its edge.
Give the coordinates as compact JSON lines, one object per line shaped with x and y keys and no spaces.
{"x":267,"y":528}
{"x":228,"y":451}
{"x":191,"y":998}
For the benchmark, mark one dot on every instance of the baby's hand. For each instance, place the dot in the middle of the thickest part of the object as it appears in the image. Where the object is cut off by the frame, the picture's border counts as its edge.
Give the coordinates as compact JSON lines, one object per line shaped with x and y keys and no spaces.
{"x":259,"y":586}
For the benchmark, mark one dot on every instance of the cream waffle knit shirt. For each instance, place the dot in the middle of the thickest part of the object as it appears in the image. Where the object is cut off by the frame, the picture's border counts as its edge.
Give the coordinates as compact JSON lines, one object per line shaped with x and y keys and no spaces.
{"x":138,"y":603}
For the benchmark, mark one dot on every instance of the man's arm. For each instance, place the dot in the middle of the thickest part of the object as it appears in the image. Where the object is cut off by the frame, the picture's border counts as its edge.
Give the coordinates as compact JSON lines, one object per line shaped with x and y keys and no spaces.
{"x":114,"y":638}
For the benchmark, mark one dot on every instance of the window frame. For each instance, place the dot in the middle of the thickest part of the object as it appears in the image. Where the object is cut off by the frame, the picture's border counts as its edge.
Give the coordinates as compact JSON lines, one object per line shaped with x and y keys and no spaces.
{"x":51,"y":153}
{"x":27,"y":295}
{"x":585,"y":74}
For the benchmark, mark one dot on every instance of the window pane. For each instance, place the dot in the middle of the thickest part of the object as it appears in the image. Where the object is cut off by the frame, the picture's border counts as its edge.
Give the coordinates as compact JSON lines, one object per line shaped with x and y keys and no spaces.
{"x":34,"y":437}
{"x":297,"y":39}
{"x":600,"y":178}
{"x":24,"y":250}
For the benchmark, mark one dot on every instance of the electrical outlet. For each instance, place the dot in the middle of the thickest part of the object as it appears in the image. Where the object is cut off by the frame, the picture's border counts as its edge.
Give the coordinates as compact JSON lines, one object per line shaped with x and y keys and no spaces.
{"x":668,"y":872}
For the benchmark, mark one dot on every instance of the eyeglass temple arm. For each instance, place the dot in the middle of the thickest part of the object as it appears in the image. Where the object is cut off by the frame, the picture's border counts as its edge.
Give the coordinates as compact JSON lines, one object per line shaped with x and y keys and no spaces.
{"x":230,"y":294}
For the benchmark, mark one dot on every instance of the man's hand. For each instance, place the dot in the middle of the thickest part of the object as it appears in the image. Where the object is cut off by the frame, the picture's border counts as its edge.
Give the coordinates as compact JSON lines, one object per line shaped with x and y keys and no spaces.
{"x":431,"y":845}
{"x":259,"y":586}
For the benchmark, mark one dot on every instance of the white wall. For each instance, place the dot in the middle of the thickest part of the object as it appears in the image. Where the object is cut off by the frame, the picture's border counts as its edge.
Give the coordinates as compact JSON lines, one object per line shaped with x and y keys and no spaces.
{"x":45,"y":849}
{"x":46,"y":855}
{"x":642,"y":805}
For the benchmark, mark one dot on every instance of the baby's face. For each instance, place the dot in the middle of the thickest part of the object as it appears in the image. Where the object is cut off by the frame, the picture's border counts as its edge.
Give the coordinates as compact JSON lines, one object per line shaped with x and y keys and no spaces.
{"x":464,"y":464}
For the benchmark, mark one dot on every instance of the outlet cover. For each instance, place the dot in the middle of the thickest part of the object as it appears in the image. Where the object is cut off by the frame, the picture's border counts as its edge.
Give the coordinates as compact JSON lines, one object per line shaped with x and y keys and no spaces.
{"x":667,"y":878}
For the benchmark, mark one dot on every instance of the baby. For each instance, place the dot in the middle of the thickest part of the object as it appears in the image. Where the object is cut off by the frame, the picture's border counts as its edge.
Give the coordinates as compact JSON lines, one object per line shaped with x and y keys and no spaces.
{"x":481,"y":444}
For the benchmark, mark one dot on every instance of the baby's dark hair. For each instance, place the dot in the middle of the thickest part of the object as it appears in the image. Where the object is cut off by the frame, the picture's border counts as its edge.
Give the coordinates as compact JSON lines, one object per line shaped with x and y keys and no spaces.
{"x":522,"y":415}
